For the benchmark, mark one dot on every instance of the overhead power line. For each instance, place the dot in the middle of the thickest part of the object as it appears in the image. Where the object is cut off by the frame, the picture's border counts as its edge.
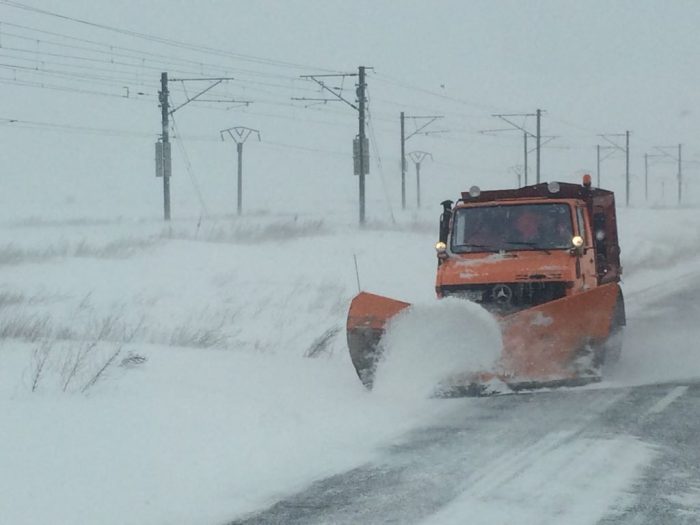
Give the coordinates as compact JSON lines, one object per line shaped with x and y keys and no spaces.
{"x":399,"y":83}
{"x":160,"y":60}
{"x":33,"y":124}
{"x":9,"y":123}
{"x":68,"y":89}
{"x":162,"y":40}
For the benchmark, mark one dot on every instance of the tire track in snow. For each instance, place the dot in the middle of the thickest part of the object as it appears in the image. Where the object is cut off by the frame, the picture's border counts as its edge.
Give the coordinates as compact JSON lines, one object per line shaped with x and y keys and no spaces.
{"x":511,"y":464}
{"x":483,"y":445}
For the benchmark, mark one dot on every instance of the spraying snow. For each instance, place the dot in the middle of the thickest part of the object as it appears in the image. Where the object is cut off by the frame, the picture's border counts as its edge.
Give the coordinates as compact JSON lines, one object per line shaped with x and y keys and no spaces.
{"x":428,"y":342}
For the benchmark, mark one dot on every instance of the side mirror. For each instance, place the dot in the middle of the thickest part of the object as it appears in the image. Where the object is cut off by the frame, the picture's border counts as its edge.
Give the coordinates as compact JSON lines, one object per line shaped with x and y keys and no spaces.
{"x":445,"y":220}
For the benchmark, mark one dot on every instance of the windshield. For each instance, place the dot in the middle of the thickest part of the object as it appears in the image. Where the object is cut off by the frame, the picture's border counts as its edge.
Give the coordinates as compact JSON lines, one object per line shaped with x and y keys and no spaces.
{"x":512,"y":227}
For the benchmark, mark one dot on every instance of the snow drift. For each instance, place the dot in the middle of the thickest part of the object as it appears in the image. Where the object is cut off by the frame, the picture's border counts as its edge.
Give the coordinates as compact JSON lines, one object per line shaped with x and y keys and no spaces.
{"x":429,"y":341}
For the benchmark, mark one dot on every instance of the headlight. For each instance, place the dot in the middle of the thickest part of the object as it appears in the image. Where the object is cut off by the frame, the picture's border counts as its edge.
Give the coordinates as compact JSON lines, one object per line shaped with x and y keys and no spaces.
{"x":577,"y":241}
{"x":440,"y":247}
{"x":474,"y":191}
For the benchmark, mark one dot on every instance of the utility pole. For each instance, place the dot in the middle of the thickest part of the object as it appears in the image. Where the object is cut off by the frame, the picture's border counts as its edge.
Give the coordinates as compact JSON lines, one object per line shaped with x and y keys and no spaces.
{"x":518,"y":171}
{"x":166,"y":159}
{"x":239,"y":134}
{"x":403,"y":162}
{"x":680,"y":174}
{"x":627,"y":168}
{"x":678,"y":159}
{"x":420,"y":130}
{"x":418,"y":157}
{"x":646,"y":177}
{"x":524,"y":159}
{"x":361,"y":160}
{"x":608,"y":137}
{"x":663,"y":192}
{"x":539,"y":118}
{"x":646,"y":174}
{"x":361,"y":101}
{"x":537,"y":136}
{"x":163,"y":156}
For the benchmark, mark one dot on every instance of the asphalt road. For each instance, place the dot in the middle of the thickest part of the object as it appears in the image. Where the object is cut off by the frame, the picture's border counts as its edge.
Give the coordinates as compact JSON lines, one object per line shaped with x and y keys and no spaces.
{"x":520,"y":452}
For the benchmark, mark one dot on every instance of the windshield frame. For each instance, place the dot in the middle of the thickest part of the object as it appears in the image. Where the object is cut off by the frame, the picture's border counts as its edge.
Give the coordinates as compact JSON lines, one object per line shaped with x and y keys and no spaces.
{"x":516,"y":241}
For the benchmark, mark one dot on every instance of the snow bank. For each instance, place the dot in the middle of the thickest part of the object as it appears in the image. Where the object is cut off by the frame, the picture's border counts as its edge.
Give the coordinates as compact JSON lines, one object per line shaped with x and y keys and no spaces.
{"x":430,"y":341}
{"x":226,"y":414}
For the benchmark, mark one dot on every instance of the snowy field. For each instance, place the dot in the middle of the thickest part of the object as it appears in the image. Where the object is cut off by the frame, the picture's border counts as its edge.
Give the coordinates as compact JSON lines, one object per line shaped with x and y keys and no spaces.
{"x":196,"y":372}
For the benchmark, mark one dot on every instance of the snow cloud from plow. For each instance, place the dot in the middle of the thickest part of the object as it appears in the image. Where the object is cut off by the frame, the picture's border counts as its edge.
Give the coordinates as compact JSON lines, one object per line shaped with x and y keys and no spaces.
{"x":426,"y":343}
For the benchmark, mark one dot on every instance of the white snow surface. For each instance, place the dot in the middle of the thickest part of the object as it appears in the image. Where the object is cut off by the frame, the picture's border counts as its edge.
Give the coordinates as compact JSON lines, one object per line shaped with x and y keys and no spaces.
{"x":577,"y":482}
{"x":228,"y":412}
{"x":427,"y":342}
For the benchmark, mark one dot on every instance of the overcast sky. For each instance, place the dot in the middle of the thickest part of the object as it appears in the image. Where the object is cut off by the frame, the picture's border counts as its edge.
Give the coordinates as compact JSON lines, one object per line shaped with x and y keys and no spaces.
{"x":594,"y":67}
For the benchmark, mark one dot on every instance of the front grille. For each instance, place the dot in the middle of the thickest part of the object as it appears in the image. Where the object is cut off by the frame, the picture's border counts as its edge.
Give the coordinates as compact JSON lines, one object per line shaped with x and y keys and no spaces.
{"x":506,"y":298}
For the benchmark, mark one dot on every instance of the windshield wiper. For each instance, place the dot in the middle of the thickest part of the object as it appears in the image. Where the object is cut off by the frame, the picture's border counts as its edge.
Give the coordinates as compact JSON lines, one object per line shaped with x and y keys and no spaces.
{"x":522,"y":243}
{"x":478,"y":246}
{"x":527,"y":243}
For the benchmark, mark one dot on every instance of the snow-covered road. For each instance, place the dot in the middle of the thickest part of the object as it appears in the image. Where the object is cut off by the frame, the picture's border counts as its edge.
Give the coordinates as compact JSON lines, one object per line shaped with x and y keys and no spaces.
{"x":616,"y":455}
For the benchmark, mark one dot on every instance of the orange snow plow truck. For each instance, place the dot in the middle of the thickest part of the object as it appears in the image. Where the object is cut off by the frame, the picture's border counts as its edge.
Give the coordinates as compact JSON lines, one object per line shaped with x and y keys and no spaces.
{"x":545,"y":261}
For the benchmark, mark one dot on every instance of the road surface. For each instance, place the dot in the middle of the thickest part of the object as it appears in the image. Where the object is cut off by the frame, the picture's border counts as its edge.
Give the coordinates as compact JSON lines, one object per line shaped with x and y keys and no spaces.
{"x":609,"y":455}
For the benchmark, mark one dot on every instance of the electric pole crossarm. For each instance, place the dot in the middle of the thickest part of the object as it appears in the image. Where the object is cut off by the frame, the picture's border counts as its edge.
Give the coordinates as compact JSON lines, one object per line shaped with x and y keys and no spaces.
{"x":500,"y":115}
{"x":239,"y":133}
{"x":435,"y":131}
{"x":610,"y":153}
{"x":650,"y":156}
{"x":496,"y":130}
{"x":549,"y":138}
{"x":419,"y":156}
{"x":331,"y":91}
{"x":204,"y":79}
{"x":665,"y":153}
{"x":226,"y":101}
{"x":191,"y":99}
{"x":421,"y":128}
{"x":614,"y":145}
{"x":517,"y":126}
{"x":324,"y":100}
{"x":331,"y":75}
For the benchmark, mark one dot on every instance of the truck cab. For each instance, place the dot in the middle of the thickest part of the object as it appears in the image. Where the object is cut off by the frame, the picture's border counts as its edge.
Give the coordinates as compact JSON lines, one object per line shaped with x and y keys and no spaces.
{"x":514,"y":249}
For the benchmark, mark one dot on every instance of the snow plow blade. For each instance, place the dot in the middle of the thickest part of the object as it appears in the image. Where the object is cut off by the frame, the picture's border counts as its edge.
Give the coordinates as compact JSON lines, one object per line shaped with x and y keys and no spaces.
{"x":367,"y":320}
{"x":557,"y":343}
{"x":560,"y":340}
